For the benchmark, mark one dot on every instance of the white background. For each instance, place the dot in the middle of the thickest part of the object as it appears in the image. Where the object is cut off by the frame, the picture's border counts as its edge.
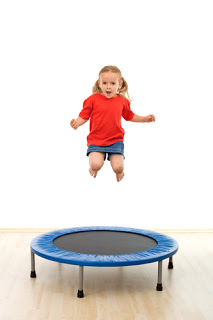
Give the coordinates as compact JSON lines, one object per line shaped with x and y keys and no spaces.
{"x":50,"y":57}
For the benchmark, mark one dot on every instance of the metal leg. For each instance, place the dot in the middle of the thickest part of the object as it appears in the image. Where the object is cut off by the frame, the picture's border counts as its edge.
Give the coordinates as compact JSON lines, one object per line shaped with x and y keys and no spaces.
{"x":33,"y":273}
{"x":80,"y":285}
{"x":170,"y":265}
{"x":160,"y":270}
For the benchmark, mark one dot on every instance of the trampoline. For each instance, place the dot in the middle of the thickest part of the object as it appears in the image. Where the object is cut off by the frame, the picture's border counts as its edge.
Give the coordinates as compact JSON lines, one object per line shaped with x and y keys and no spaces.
{"x":104,"y":247}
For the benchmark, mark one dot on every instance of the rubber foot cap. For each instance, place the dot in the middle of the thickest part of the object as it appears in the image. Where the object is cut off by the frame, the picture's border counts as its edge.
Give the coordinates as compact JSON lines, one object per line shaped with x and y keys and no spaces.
{"x":159,"y":287}
{"x":170,"y":265}
{"x":33,"y":274}
{"x":80,"y":294}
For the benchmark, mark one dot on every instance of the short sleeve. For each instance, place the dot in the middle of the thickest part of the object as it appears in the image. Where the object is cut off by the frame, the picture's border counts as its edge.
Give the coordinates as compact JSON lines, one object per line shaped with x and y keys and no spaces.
{"x":127,"y":113}
{"x":87,"y":109}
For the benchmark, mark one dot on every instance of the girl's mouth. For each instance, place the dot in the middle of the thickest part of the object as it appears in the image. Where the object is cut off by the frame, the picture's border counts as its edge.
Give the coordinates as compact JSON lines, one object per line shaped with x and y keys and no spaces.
{"x":108,"y":92}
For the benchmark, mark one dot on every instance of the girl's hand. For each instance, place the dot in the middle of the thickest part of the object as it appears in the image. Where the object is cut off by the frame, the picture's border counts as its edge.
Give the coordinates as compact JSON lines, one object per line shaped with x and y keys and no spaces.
{"x":150,"y":118}
{"x":73,"y":124}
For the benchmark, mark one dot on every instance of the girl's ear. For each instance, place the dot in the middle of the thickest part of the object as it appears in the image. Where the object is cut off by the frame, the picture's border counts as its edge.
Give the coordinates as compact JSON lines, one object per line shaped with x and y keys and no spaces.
{"x":120,"y":84}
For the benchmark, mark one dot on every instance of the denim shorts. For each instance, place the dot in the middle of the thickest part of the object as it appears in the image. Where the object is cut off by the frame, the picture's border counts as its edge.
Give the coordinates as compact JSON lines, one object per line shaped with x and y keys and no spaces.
{"x":116,"y":148}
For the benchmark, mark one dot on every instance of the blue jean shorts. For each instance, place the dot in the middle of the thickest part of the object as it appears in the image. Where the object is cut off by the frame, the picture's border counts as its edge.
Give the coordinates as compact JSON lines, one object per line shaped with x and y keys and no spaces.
{"x":116,"y":148}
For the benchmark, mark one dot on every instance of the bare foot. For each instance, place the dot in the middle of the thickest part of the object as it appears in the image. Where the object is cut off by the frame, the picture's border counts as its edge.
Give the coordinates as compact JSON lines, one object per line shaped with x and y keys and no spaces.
{"x":119,"y":176}
{"x":93,"y":173}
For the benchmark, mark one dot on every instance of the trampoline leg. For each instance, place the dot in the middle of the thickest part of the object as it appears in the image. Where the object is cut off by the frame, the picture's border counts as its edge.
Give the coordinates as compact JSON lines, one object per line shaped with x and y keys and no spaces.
{"x":33,"y":273}
{"x":160,"y":270}
{"x":170,"y":265}
{"x":80,"y":285}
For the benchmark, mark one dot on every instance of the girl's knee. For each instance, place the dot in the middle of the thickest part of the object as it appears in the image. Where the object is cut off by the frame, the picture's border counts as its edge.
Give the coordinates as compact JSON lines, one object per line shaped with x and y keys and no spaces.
{"x":117,"y":163}
{"x":96,"y":161}
{"x":118,"y":168}
{"x":96,"y":165}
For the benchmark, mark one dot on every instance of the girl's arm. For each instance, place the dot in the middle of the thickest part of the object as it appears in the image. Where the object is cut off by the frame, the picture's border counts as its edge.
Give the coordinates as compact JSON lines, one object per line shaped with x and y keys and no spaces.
{"x":75,"y":123}
{"x":149,"y":118}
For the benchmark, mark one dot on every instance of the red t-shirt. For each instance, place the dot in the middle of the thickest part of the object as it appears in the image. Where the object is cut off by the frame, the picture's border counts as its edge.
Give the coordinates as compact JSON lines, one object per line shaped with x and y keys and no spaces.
{"x":105,"y":118}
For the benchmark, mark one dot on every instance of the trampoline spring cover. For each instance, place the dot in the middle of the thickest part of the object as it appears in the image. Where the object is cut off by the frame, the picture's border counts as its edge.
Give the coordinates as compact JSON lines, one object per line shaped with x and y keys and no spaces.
{"x":43,"y":246}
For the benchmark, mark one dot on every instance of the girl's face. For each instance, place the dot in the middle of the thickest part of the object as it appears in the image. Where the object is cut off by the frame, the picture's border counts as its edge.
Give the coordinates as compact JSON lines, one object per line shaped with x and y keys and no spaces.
{"x":109,"y":84}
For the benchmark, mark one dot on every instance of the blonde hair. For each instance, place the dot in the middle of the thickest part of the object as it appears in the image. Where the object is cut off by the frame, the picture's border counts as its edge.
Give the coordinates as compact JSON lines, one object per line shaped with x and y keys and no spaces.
{"x":124,"y":89}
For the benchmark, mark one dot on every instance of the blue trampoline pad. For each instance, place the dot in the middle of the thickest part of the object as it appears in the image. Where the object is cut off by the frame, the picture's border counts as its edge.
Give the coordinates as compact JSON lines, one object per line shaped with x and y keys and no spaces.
{"x":104,"y":246}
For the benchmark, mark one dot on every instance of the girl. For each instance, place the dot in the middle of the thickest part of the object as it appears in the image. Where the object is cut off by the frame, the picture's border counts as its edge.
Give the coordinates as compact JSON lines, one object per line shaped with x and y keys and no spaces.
{"x":104,"y":108}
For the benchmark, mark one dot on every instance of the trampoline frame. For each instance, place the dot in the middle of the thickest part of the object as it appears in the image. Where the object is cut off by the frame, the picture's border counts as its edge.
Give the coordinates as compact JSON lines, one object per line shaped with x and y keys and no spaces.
{"x":43,"y":246}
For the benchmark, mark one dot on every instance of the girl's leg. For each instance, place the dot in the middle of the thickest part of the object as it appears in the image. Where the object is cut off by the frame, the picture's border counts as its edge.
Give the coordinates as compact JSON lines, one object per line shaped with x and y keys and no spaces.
{"x":96,"y":162}
{"x":117,"y":163}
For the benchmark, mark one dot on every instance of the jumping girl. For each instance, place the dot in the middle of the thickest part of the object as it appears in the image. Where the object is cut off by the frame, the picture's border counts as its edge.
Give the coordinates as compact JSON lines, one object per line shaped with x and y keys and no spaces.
{"x":104,"y":108}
